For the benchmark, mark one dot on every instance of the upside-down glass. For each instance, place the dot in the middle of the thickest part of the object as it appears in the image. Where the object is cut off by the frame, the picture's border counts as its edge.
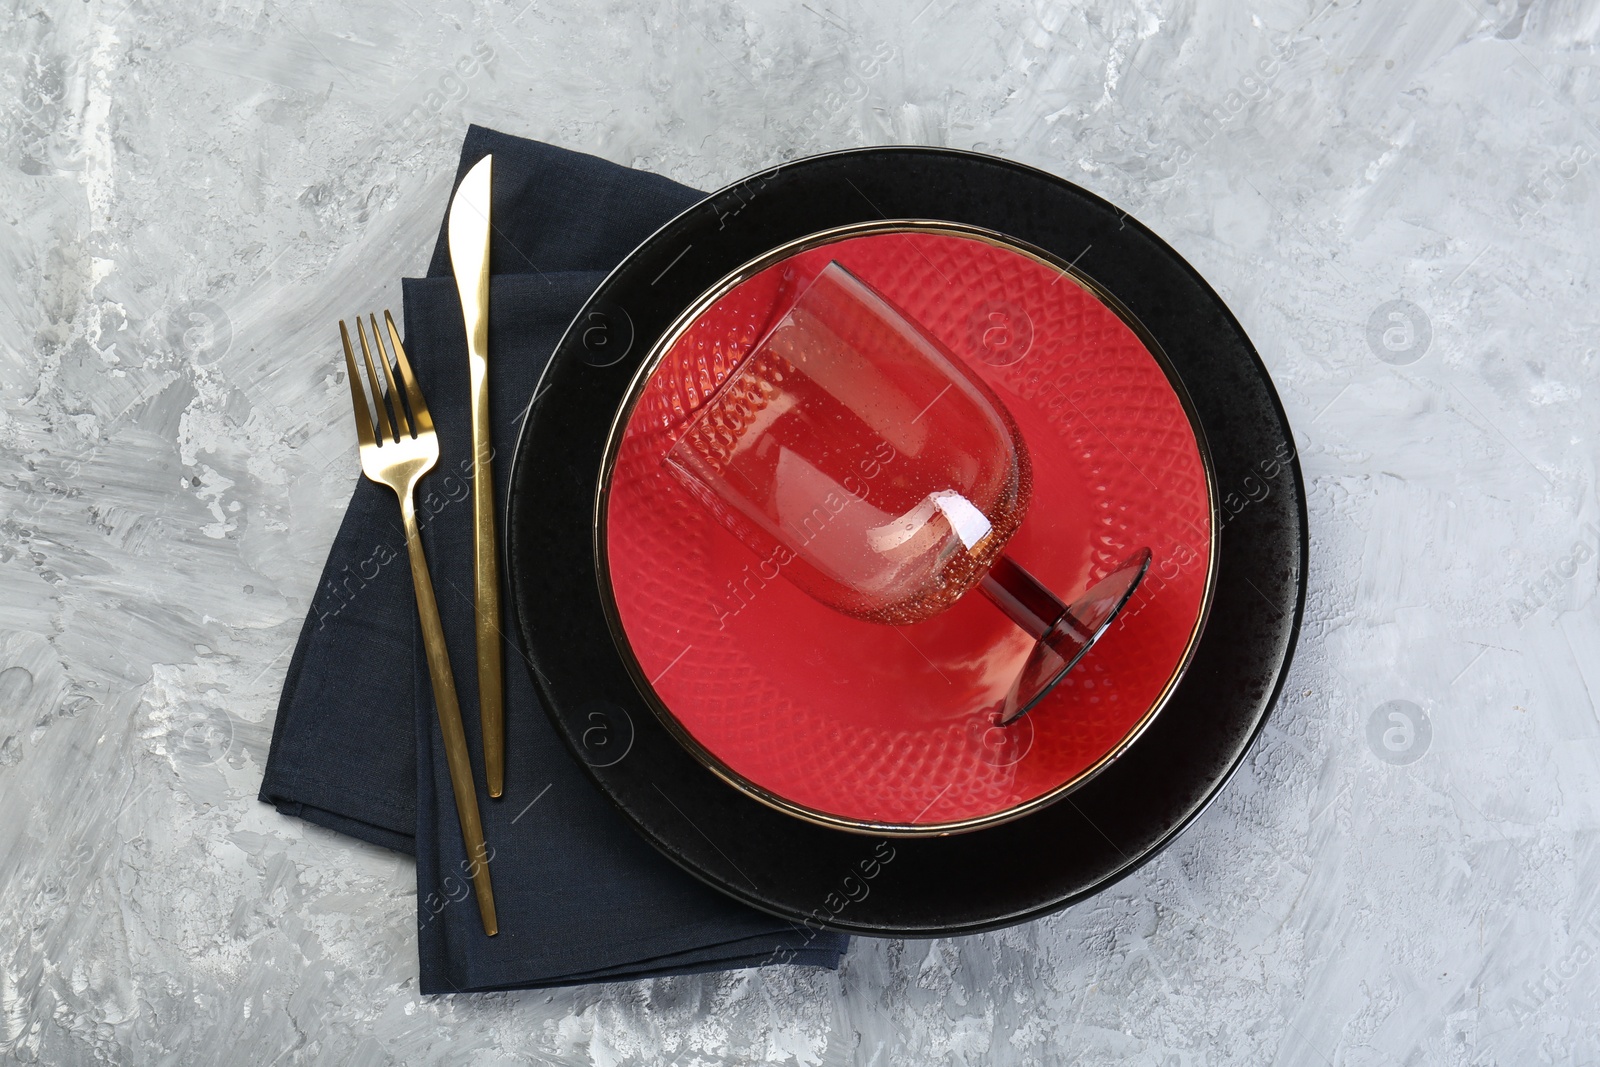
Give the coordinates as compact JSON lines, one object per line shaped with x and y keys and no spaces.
{"x":861,"y":458}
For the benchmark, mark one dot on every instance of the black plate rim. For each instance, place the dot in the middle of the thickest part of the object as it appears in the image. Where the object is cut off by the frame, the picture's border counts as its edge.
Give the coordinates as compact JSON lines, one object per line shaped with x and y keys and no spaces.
{"x":1290,"y":466}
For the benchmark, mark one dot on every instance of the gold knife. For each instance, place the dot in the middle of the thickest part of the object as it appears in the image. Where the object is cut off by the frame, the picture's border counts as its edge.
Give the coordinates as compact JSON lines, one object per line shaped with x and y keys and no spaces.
{"x":469,"y":259}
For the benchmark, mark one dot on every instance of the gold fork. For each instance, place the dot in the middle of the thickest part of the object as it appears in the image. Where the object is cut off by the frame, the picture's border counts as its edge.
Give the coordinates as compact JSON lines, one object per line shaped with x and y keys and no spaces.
{"x":398,"y":453}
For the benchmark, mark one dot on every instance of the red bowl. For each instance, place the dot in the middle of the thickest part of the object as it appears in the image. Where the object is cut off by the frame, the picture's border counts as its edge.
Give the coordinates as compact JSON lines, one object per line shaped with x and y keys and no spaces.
{"x":880,"y":728}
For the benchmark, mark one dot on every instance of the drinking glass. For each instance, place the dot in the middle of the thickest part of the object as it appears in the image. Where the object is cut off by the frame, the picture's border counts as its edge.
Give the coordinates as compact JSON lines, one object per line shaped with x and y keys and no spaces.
{"x":863,"y":460}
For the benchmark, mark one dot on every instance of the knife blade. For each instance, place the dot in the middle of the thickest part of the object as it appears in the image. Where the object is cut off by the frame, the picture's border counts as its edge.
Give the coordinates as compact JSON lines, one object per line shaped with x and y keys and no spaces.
{"x":469,"y":260}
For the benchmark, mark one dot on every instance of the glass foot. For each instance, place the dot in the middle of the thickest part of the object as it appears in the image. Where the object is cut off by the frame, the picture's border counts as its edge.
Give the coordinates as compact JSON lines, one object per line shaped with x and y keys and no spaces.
{"x":1060,"y":647}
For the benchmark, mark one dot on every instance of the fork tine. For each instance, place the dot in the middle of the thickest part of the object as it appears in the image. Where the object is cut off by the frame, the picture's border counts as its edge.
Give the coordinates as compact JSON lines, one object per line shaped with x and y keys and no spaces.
{"x":358,"y":395}
{"x":396,"y":408}
{"x":385,"y":426}
{"x":419,"y":407}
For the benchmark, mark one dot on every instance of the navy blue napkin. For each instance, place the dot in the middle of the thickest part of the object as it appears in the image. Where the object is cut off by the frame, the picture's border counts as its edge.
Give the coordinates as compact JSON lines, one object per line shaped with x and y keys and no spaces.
{"x":581,"y":897}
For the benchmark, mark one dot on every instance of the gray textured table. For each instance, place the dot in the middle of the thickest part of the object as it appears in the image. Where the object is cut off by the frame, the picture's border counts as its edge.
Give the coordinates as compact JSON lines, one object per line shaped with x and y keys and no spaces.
{"x":1397,"y":200}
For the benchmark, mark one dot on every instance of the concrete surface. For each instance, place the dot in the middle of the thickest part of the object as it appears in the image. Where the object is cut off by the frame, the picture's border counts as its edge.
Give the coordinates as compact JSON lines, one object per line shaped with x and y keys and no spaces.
{"x":1398,"y":200}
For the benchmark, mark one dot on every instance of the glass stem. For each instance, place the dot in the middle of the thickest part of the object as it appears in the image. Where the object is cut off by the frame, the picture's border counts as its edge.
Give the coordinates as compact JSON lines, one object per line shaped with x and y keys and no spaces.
{"x":1022,"y":597}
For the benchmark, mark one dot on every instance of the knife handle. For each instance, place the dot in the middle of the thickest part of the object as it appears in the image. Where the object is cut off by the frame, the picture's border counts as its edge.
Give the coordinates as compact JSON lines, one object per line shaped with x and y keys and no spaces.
{"x":486,"y":588}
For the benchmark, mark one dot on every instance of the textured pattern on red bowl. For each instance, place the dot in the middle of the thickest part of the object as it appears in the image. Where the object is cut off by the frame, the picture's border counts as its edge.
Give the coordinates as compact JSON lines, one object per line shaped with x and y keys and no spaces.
{"x":875,"y":723}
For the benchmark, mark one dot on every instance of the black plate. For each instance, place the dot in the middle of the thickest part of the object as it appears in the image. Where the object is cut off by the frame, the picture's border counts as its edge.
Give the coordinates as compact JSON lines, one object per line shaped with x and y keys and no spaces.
{"x":924,"y":886}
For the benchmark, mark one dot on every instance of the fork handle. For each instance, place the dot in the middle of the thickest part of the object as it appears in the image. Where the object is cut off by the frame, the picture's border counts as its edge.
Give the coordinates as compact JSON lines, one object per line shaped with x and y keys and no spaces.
{"x":455,"y":738}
